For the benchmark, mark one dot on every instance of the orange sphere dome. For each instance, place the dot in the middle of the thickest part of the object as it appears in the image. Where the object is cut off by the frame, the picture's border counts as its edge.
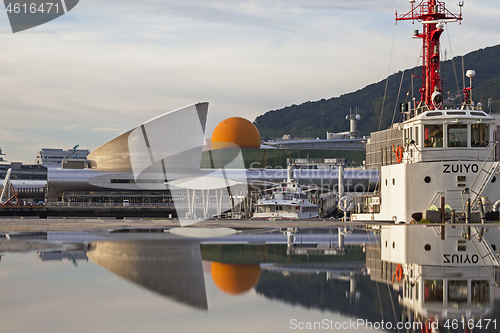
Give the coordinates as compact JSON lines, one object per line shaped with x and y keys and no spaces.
{"x":237,"y":131}
{"x":235,"y":279}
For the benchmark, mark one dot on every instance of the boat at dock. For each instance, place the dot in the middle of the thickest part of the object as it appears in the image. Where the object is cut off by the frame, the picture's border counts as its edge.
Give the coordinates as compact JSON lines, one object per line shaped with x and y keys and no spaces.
{"x":287,"y":201}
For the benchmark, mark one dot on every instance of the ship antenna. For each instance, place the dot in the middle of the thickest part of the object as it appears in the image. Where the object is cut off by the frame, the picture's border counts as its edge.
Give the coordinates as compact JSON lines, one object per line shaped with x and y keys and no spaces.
{"x":433,"y":15}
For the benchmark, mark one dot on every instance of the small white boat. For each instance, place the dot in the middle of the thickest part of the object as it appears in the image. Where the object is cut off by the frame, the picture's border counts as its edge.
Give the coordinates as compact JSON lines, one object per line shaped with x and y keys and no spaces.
{"x":287,"y":201}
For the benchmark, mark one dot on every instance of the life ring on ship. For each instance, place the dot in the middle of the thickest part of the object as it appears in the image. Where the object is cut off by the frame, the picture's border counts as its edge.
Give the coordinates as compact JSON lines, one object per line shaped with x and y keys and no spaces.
{"x":399,"y":273}
{"x":399,"y":154}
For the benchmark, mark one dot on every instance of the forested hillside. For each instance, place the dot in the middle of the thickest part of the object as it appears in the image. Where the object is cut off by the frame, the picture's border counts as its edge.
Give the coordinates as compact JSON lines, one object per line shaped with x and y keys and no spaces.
{"x":314,"y":119}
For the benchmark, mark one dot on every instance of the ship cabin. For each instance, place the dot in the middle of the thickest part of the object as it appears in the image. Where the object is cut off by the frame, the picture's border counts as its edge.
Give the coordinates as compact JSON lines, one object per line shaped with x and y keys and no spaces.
{"x":435,"y":153}
{"x":288,"y":191}
{"x":447,"y":293}
{"x":441,"y":274}
{"x":464,"y":134}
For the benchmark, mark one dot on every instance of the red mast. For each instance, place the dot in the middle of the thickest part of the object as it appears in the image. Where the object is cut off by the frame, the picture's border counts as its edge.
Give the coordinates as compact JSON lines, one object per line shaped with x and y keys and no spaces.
{"x":433,"y":15}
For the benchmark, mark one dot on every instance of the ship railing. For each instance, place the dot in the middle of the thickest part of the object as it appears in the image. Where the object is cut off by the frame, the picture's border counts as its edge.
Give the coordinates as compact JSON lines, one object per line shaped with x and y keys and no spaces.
{"x":437,"y":196}
{"x":483,"y":179}
{"x":486,"y":251}
{"x":447,"y":107}
{"x":132,"y":205}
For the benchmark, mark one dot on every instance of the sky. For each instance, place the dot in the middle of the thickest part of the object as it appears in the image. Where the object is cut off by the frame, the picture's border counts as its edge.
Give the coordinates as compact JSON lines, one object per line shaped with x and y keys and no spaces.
{"x":107,"y":66}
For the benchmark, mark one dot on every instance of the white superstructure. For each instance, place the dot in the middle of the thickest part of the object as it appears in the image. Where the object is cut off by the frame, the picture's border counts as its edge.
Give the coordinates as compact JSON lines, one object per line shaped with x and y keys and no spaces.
{"x":445,"y":153}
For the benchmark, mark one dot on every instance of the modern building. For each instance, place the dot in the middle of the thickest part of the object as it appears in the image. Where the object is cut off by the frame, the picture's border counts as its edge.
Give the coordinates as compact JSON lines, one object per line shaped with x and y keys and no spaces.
{"x":51,"y":156}
{"x":322,"y":144}
{"x":28,"y":180}
{"x":343,"y":142}
{"x":133,"y":169}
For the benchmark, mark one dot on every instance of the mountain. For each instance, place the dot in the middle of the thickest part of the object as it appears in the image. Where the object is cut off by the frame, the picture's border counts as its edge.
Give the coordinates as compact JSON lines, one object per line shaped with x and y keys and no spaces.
{"x":314,"y":119}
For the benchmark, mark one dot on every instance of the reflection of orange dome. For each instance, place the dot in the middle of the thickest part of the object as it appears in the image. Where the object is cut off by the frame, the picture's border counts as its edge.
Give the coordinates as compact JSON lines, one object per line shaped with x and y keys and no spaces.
{"x":235,"y":278}
{"x":238,"y":131}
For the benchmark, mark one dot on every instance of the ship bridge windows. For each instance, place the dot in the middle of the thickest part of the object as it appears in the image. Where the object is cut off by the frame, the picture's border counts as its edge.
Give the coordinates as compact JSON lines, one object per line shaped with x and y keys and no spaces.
{"x":457,"y":291}
{"x":480,"y":135}
{"x":434,"y":114}
{"x":476,"y":135}
{"x":433,"y":135}
{"x":457,"y":135}
{"x":456,"y":113}
{"x":433,"y":291}
{"x":480,"y":290}
{"x":265,"y":209}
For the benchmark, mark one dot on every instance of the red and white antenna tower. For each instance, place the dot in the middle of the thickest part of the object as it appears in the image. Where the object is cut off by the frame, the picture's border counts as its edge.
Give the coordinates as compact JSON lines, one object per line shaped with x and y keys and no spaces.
{"x":433,"y":15}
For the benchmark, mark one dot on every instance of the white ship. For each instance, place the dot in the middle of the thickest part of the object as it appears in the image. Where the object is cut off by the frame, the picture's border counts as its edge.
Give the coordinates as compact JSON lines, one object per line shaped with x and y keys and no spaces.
{"x":439,"y":152}
{"x":287,"y":201}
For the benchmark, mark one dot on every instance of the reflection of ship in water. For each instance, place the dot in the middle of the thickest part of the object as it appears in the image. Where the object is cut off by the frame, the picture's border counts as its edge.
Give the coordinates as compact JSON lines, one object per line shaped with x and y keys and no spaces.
{"x":442,"y":275}
{"x":170,"y":268}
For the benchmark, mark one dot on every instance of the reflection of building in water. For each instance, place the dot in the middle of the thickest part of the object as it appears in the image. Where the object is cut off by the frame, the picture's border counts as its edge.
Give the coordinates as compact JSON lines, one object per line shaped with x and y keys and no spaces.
{"x":63,"y":255}
{"x":294,"y":247}
{"x":276,"y":254}
{"x":169,"y":268}
{"x":353,"y":294}
{"x":340,"y":271}
{"x":441,"y":274}
{"x":313,"y":291}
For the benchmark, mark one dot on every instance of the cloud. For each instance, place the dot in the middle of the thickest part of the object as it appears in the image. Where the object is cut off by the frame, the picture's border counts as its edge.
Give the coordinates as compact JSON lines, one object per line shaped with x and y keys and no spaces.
{"x":246,"y":8}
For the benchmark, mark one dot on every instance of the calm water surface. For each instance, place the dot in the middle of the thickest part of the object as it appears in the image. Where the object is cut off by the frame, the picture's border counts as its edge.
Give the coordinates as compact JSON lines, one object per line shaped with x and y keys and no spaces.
{"x":251,"y":282}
